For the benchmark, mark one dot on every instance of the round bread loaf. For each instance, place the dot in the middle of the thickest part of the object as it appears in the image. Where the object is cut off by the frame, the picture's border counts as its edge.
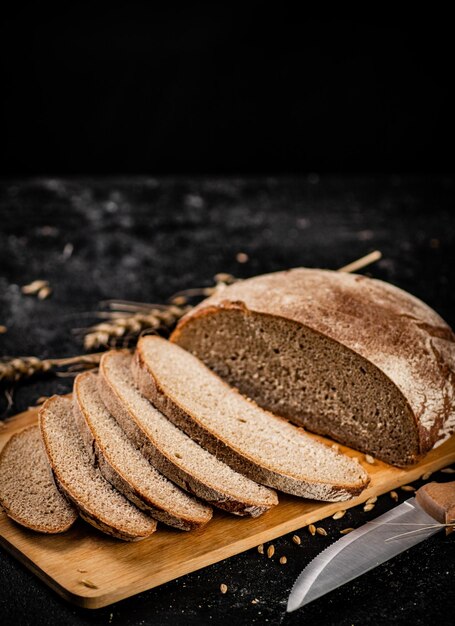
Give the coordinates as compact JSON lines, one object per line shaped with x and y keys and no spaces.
{"x":346,"y":356}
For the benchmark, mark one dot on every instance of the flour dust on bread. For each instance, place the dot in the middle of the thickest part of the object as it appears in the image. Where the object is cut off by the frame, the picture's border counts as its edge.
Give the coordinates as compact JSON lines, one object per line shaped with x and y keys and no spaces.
{"x":346,"y":356}
{"x":252,"y":441}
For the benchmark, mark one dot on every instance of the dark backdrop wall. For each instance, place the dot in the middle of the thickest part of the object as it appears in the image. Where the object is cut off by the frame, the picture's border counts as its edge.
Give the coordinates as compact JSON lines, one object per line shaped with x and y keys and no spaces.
{"x":233,"y":89}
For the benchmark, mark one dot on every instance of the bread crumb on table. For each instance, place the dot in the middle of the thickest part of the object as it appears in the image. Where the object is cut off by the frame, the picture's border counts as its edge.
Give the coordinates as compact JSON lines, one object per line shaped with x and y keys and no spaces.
{"x":242,"y":257}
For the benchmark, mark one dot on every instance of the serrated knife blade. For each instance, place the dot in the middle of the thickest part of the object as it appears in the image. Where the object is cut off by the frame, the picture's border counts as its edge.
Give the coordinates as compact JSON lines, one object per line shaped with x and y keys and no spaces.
{"x":362,"y":550}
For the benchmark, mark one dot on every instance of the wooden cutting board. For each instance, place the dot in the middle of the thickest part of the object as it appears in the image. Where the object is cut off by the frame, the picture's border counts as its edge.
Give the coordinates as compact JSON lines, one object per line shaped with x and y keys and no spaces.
{"x":120,"y":569}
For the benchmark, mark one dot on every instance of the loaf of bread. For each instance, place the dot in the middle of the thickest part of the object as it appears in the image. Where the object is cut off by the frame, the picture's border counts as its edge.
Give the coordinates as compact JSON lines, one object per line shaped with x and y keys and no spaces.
{"x":356,"y":359}
{"x":252,"y":441}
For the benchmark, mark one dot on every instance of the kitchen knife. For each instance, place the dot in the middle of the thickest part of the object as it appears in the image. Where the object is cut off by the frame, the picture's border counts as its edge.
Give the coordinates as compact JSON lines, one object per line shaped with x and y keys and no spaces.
{"x":413,"y":521}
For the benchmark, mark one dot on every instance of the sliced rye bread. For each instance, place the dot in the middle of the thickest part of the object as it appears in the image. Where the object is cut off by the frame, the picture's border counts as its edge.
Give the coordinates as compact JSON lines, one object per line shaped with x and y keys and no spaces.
{"x":347,"y":356}
{"x":123,"y":465}
{"x":98,"y":502}
{"x":170,"y":450}
{"x":264,"y":447}
{"x":28,"y":493}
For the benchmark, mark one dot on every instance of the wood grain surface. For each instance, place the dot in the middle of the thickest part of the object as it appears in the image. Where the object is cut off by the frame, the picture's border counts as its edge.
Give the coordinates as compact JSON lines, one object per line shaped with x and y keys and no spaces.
{"x":119,"y":570}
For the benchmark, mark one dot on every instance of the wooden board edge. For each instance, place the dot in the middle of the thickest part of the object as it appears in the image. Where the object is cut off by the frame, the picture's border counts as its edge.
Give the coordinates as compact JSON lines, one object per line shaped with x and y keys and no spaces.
{"x":62,"y":591}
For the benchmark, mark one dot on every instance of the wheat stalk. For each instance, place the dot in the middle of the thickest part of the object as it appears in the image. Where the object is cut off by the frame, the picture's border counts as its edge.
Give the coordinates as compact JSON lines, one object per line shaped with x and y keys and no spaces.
{"x":126,"y":320}
{"x":20,"y":368}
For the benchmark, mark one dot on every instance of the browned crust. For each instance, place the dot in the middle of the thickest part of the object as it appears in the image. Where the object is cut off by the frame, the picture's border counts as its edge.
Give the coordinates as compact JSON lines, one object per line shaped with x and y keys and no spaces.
{"x":37,"y":528}
{"x":116,"y":476}
{"x":343,"y":308}
{"x":91,"y":516}
{"x":321,"y":490}
{"x":210,"y":493}
{"x":21,"y":520}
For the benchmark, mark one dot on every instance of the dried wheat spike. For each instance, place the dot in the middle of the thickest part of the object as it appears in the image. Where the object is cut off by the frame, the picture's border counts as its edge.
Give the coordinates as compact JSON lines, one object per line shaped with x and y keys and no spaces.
{"x":121,"y":330}
{"x":20,"y":368}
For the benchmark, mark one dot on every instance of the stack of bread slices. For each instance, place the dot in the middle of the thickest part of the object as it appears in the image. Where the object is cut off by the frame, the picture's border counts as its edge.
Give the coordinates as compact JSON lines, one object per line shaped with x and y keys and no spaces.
{"x":159,"y":436}
{"x":124,"y":459}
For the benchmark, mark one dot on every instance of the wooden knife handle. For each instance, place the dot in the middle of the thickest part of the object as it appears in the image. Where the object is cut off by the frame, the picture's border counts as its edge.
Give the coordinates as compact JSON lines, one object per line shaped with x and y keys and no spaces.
{"x":438,"y":500}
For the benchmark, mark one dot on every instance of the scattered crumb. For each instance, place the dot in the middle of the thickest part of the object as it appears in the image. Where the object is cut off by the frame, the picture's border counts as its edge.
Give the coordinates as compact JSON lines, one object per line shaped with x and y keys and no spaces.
{"x":242,"y":257}
{"x":283,"y":560}
{"x":321,"y":531}
{"x":296,"y":539}
{"x":261,"y":548}
{"x":34,"y":287}
{"x":448,"y":470}
{"x":339,"y":514}
{"x":67,"y":250}
{"x":223,"y":588}
{"x":255,"y":601}
{"x":345,"y":531}
{"x":408,"y":488}
{"x":88,"y":583}
{"x":426,"y":476}
{"x":270,"y":551}
{"x":44,"y":293}
{"x":394,"y":495}
{"x":369,"y":459}
{"x":312,"y":529}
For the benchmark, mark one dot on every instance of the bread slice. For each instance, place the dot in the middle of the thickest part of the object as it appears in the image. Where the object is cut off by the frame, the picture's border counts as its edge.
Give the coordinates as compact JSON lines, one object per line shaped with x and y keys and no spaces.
{"x":28,"y":493}
{"x":346,"y":356}
{"x":98,"y":502}
{"x":123,"y":465}
{"x":172,"y":452}
{"x":262,"y":446}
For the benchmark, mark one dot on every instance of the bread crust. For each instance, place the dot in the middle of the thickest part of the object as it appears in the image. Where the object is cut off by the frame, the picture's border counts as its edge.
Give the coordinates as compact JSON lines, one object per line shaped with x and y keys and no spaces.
{"x":116,"y":476}
{"x":193,"y":485}
{"x":89,"y":515}
{"x":394,"y":331}
{"x":28,"y":522}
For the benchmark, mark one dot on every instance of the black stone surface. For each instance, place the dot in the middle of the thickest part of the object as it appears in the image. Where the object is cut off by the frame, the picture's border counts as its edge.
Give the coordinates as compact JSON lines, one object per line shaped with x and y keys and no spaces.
{"x":146,"y":238}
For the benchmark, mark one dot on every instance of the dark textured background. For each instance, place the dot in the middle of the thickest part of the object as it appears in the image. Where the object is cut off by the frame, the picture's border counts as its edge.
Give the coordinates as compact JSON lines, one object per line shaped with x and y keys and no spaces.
{"x":145,"y":238}
{"x":141,"y":87}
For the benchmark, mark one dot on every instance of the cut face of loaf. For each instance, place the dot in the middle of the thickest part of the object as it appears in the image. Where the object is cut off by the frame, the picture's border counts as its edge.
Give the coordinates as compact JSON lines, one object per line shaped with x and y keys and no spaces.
{"x":123,"y":465}
{"x":345,"y":356}
{"x":171,"y":451}
{"x":254,"y":442}
{"x":27,"y":490}
{"x":98,"y":502}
